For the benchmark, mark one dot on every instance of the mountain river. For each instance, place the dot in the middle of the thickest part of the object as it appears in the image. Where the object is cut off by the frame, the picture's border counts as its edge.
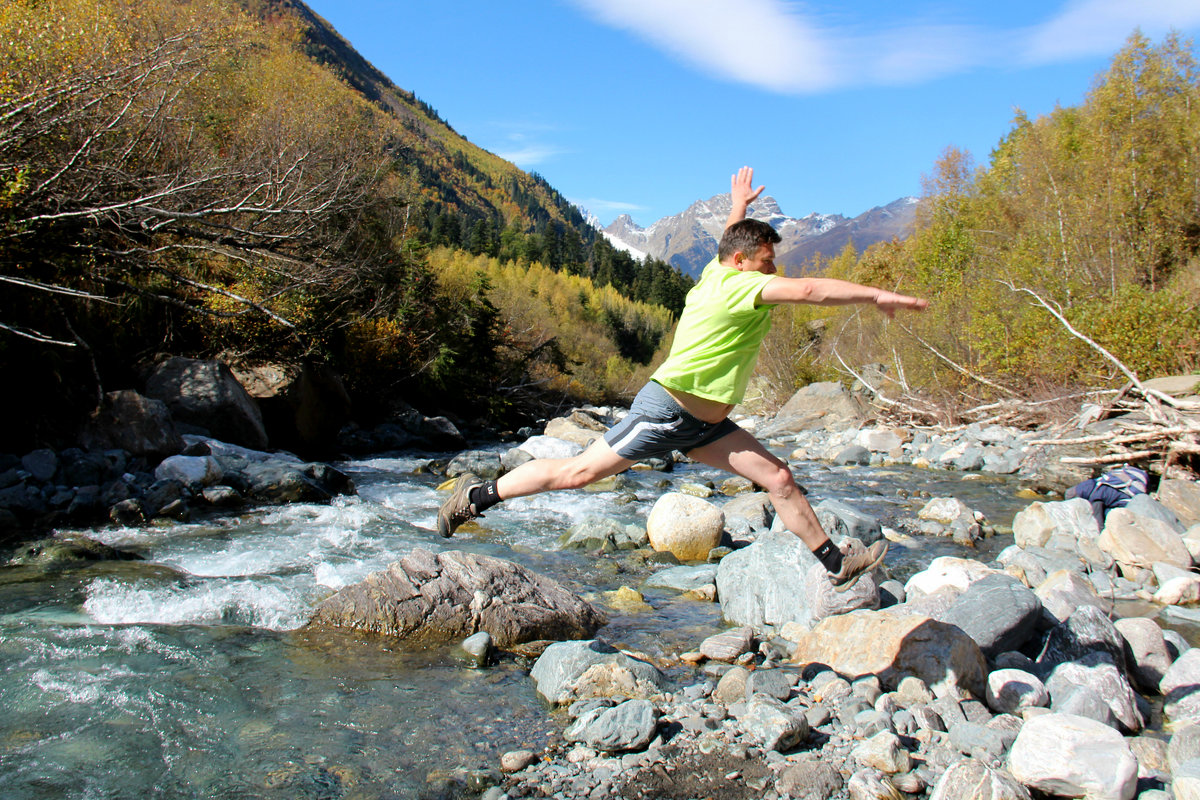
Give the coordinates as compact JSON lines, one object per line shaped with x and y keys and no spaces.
{"x":189,"y":674}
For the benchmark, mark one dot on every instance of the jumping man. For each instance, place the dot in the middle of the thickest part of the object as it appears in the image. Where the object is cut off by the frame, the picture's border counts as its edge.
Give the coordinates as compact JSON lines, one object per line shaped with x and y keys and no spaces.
{"x":685,"y":405}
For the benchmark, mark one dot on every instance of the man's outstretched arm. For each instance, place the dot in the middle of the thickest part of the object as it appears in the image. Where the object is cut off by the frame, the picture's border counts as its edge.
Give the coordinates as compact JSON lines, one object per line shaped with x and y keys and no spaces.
{"x":833,"y":292}
{"x":741,"y":189}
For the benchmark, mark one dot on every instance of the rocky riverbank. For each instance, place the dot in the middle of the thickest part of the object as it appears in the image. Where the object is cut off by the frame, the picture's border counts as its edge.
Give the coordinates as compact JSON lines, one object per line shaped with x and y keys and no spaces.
{"x":1042,"y":672}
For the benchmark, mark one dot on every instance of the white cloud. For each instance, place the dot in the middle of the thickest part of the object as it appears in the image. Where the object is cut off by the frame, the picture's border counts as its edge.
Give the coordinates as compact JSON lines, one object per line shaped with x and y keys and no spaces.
{"x":530,"y":155}
{"x":598,"y":206}
{"x":1090,"y":27}
{"x":774,"y":45}
{"x":759,"y":42}
{"x":524,"y":145}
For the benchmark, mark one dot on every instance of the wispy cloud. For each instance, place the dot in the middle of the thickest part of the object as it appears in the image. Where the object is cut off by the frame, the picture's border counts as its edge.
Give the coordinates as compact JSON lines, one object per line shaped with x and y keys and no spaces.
{"x":603,"y":208}
{"x":776,"y":45}
{"x":1088,"y":27}
{"x":525,"y":144}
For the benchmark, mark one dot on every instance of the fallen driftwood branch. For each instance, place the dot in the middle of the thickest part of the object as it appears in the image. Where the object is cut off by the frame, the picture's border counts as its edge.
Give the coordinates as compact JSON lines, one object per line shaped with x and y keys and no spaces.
{"x":1168,"y":434}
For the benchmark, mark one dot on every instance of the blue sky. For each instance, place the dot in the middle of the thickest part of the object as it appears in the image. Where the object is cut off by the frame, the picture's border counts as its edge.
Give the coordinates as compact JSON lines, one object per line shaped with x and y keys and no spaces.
{"x":644,"y":106}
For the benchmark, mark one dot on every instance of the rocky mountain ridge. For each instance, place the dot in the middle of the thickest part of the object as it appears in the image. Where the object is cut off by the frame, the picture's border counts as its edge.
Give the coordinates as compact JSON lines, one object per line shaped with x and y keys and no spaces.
{"x":688,"y":240}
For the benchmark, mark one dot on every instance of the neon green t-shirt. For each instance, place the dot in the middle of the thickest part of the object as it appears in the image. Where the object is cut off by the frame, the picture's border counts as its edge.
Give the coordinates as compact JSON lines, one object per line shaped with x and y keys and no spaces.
{"x":719,"y":334}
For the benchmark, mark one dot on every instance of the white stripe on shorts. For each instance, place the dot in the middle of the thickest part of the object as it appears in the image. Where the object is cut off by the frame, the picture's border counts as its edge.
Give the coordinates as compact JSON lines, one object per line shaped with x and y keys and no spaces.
{"x":634,"y":431}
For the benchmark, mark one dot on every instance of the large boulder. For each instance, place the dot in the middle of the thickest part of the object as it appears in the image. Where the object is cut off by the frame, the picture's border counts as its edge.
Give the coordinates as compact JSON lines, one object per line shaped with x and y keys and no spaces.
{"x":1182,"y":497}
{"x":685,"y":526}
{"x":818,"y":406}
{"x":1064,"y":754}
{"x":205,"y":394}
{"x":894,"y":647}
{"x":1056,"y":525}
{"x":997,"y":611}
{"x":303,"y":408}
{"x":580,"y":427}
{"x":766,"y":585}
{"x":451,"y":595}
{"x":1137,"y":541}
{"x":129,"y":421}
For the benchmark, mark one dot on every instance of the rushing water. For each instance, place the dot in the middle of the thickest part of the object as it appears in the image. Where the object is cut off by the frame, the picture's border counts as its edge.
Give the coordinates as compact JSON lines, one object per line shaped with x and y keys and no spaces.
{"x":188,"y":674}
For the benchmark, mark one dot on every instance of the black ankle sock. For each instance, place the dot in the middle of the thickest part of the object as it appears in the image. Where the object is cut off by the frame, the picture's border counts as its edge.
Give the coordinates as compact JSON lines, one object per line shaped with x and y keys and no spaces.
{"x":484,"y":496}
{"x":829,"y":556}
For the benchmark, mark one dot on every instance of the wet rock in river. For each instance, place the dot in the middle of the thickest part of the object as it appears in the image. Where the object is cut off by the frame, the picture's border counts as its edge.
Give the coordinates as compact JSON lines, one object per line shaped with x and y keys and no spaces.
{"x":450,"y":595}
{"x":685,"y":526}
{"x":67,"y":551}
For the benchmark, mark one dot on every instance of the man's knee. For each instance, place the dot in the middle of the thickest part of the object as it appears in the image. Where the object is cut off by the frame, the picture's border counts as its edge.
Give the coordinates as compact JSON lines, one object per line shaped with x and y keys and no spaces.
{"x":781,"y":483}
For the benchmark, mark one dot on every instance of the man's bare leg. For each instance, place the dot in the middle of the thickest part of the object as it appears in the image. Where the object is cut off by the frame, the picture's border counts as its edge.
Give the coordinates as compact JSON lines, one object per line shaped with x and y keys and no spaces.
{"x":742,"y":454}
{"x":547,"y":474}
{"x":470,"y":496}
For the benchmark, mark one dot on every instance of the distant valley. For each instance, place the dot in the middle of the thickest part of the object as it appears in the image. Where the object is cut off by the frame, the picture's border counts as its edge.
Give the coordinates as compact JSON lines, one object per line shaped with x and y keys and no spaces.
{"x":688,"y":240}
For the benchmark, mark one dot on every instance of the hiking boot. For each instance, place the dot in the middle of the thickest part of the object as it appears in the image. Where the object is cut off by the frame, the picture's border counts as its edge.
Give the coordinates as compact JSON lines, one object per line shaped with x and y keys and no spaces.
{"x":856,"y":562}
{"x":458,"y":507}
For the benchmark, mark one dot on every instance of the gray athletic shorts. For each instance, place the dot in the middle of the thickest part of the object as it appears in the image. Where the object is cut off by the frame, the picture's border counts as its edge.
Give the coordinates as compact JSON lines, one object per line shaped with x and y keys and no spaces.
{"x":656,"y":425}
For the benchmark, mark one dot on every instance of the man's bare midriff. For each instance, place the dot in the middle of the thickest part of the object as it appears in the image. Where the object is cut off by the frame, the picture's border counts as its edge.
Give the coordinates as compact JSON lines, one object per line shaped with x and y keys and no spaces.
{"x":701,"y":408}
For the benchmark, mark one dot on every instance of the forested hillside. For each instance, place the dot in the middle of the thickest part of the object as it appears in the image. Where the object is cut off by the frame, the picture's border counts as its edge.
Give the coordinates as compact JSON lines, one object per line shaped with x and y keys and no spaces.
{"x":217,"y":179}
{"x":1091,"y":213}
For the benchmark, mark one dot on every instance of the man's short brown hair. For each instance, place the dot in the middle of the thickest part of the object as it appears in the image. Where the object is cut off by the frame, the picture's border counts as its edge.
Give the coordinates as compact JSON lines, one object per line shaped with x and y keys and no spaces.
{"x":746,"y":237}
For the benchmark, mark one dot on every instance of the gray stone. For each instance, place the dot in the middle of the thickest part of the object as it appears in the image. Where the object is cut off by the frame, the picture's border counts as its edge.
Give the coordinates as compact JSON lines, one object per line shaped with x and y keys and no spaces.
{"x":858,"y":525}
{"x":68,"y":550}
{"x":1180,"y":685}
{"x":1062,"y":754}
{"x":770,"y":682}
{"x":1009,"y":691}
{"x":569,"y":670}
{"x":732,"y":686}
{"x":478,"y":648}
{"x":1087,"y":630}
{"x":1185,"y":782}
{"x":884,"y":752}
{"x":772,"y":725}
{"x":1096,"y":674}
{"x":128,"y":421}
{"x":1146,"y":506}
{"x":482,"y":463}
{"x":997,"y":611}
{"x":823,"y":406}
{"x":973,"y":780}
{"x":1145,"y":650}
{"x":684,"y":578}
{"x":207,"y":395}
{"x":855,"y":454}
{"x":748,"y":513}
{"x":763,"y":584}
{"x":810,"y":778}
{"x":550,"y":447}
{"x":191,"y":471}
{"x":1184,"y":745}
{"x":972,"y":738}
{"x":1057,"y":525}
{"x":41,"y":464}
{"x":602,"y":535}
{"x":627,"y":726}
{"x":1182,"y":498}
{"x":1064,"y":592}
{"x":728,"y":644}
